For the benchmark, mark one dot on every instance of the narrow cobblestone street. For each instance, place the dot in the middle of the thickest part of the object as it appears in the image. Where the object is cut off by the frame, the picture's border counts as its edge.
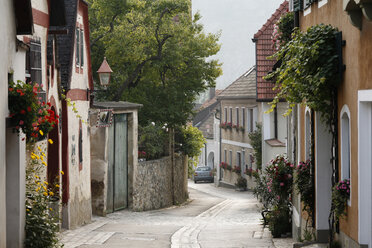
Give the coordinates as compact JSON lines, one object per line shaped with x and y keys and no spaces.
{"x":214,"y":217}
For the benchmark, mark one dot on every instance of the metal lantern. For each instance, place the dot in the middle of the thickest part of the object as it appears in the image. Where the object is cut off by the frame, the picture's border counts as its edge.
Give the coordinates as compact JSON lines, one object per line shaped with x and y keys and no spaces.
{"x":104,"y":73}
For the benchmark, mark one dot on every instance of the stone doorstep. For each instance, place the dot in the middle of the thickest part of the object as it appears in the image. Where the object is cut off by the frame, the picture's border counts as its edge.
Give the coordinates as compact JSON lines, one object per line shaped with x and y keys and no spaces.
{"x":226,"y":185}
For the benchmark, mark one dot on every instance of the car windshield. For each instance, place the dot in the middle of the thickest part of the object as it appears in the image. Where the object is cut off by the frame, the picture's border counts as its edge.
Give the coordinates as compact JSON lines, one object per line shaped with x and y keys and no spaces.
{"x":203,"y":169}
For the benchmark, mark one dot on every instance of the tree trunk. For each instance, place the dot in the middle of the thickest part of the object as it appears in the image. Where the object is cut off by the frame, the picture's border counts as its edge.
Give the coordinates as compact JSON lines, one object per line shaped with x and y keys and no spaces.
{"x":171,"y":154}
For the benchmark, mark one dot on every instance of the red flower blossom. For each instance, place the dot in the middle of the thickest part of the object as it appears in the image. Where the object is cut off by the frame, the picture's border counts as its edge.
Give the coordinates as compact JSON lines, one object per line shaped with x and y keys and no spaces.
{"x":23,"y":111}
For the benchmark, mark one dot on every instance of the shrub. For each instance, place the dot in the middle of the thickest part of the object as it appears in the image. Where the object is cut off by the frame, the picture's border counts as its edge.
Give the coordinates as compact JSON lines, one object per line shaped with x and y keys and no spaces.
{"x":274,"y":188}
{"x":256,"y":142}
{"x":340,"y":196}
{"x":305,"y":186}
{"x":190,"y":141}
{"x":241,"y":183}
{"x":279,"y":220}
{"x":42,"y":221}
{"x":153,"y":141}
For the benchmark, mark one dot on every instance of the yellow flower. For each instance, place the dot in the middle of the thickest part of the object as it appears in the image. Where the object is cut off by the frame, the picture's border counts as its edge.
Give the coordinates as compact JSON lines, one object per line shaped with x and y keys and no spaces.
{"x":57,"y":185}
{"x":37,"y":190}
{"x":50,"y":141}
{"x":43,"y":154}
{"x":36,"y":176}
{"x":45,"y":193}
{"x":50,"y":209}
{"x":38,"y":147}
{"x":44,"y":188}
{"x":33,"y":157}
{"x":45,"y":182}
{"x":42,"y":158}
{"x":44,"y":163}
{"x":28,"y":210}
{"x":51,"y":193}
{"x":62,"y":173}
{"x":41,"y":132}
{"x":37,"y":156}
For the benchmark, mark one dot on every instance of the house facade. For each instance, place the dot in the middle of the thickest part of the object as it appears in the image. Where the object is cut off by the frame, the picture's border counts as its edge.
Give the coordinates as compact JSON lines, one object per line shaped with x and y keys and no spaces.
{"x":274,"y":124}
{"x":77,"y":83}
{"x":239,"y":115}
{"x":59,"y":60}
{"x":14,"y":21}
{"x":207,"y":122}
{"x":352,"y":18}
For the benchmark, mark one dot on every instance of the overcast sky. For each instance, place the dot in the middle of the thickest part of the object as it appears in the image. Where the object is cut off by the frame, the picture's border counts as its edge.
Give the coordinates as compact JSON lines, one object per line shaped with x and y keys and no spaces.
{"x":238,"y":21}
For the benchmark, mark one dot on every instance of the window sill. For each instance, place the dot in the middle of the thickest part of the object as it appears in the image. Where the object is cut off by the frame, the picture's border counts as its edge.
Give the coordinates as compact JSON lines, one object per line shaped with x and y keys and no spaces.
{"x":275,"y":143}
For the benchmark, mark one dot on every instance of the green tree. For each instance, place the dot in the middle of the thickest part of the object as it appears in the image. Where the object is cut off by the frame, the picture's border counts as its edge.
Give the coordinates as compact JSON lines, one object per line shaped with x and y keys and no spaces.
{"x":158,"y":53}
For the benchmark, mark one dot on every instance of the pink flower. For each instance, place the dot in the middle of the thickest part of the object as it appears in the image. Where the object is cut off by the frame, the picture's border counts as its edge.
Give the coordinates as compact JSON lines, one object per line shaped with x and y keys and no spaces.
{"x":282,"y":184}
{"x":289,"y":176}
{"x":21,"y":122}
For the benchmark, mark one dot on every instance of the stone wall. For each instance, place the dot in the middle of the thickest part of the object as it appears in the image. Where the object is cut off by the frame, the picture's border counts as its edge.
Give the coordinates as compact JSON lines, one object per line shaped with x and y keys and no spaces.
{"x":152,"y":187}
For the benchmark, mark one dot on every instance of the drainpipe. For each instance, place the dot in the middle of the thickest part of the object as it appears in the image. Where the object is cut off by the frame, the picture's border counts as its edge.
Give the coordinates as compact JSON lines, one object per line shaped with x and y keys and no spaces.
{"x":205,"y":155}
{"x":276,"y":123}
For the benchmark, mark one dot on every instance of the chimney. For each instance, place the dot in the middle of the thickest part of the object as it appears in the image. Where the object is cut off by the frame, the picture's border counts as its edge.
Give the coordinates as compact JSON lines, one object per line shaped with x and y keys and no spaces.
{"x":212,"y":92}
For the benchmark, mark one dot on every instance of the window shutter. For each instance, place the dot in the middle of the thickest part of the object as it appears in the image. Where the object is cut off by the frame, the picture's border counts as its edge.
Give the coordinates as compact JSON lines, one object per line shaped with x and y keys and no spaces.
{"x":255,"y":115}
{"x":80,"y":143}
{"x":77,"y":47}
{"x":81,"y":47}
{"x":249,"y":120}
{"x":35,"y":61}
{"x":297,"y":5}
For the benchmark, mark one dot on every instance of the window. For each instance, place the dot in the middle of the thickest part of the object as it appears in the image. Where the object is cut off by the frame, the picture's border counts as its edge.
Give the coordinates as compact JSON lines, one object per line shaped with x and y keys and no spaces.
{"x":231,"y":114}
{"x":237,"y":116}
{"x":243,"y":161}
{"x":225,"y":114}
{"x":345,"y":143}
{"x":33,"y":62}
{"x":243,"y":117}
{"x":239,"y":159}
{"x":230,"y":158}
{"x":250,"y":120}
{"x":79,"y":47}
{"x":225,"y":155}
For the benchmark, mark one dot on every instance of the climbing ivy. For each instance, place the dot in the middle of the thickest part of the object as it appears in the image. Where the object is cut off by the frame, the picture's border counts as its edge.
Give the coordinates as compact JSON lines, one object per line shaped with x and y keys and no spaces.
{"x":308,"y":72}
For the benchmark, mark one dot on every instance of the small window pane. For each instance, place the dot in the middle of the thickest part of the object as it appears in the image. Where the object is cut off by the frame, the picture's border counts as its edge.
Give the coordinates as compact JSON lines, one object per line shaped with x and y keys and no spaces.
{"x":81,"y":47}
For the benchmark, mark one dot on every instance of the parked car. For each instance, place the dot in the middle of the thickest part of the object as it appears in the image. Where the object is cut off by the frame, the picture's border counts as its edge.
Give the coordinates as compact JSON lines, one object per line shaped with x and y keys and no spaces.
{"x":203,"y":173}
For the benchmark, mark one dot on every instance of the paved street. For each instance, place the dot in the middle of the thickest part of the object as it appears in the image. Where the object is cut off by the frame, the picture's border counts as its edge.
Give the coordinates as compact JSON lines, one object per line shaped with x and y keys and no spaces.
{"x":214,"y":217}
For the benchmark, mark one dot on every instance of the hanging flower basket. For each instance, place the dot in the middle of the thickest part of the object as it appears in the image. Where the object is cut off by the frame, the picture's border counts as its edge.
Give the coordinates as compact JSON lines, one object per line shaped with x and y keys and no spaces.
{"x":28,"y":113}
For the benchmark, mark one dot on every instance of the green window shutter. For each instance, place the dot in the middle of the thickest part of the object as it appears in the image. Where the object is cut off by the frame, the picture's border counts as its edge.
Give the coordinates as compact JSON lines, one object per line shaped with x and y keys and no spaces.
{"x":77,"y":46}
{"x":81,"y":47}
{"x":298,"y":5}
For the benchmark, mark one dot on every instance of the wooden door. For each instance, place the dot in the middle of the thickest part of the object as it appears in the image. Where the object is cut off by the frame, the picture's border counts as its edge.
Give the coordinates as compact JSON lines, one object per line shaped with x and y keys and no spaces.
{"x":117,"y":188}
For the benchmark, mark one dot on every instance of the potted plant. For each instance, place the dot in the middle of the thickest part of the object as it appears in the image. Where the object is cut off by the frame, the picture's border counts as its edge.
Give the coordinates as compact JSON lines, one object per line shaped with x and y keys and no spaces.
{"x":241,"y":184}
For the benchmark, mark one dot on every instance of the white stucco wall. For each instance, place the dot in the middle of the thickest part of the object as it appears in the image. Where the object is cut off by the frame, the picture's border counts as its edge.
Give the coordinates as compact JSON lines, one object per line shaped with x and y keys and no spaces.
{"x":269,"y":152}
{"x":79,"y":180}
{"x":8,"y":63}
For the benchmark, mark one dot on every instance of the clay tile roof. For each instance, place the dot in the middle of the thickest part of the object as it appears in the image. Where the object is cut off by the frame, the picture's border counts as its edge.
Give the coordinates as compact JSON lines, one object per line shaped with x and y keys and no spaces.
{"x":264,"y":49}
{"x":241,"y":88}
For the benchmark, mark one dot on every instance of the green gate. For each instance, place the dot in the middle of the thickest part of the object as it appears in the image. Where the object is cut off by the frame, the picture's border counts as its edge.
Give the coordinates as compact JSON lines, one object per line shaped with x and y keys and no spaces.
{"x":117,"y":178}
